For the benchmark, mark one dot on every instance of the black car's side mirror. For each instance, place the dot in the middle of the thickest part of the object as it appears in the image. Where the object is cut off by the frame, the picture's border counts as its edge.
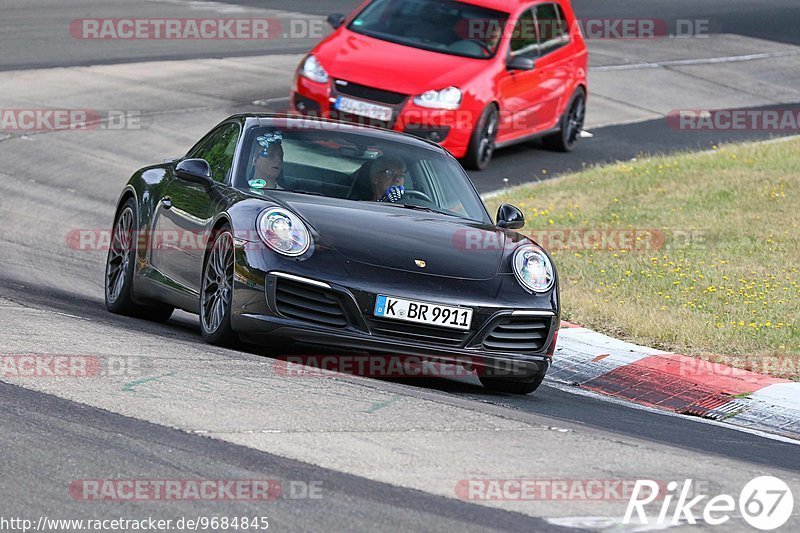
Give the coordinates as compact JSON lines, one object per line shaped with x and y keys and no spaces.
{"x":336,"y":20}
{"x":510,"y":217}
{"x":195,"y":171}
{"x":520,"y":63}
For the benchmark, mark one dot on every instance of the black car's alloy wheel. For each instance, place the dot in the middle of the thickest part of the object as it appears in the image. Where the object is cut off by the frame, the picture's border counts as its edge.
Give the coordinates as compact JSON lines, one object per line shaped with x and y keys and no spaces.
{"x":569,"y":132}
{"x":482,"y":143}
{"x":216,"y":294}
{"x":119,"y":255}
{"x":119,"y":270}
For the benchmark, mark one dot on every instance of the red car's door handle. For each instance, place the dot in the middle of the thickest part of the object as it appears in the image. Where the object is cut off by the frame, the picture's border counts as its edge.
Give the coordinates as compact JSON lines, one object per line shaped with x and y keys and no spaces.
{"x":166,"y":202}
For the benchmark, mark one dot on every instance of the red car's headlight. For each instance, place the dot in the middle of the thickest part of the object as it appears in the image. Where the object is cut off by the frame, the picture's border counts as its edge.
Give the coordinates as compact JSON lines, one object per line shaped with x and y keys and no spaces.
{"x":449,"y":98}
{"x":313,"y":70}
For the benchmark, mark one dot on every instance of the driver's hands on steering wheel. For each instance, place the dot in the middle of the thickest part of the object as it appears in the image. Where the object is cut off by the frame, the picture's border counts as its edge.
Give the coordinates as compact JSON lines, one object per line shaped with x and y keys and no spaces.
{"x":393,"y":194}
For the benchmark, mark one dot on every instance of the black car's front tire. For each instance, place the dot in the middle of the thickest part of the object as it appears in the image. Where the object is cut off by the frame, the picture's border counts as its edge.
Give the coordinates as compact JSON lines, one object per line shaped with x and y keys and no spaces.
{"x":216,"y":291}
{"x":511,"y":385}
{"x":119,"y":270}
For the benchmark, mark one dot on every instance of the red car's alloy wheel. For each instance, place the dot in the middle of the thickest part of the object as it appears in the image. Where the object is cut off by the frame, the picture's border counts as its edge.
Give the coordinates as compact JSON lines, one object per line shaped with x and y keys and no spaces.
{"x":567,"y":137}
{"x":482,"y":143}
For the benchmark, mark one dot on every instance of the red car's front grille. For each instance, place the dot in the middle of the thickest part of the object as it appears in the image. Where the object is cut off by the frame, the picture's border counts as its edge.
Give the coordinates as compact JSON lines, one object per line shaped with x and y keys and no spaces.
{"x":369,"y":93}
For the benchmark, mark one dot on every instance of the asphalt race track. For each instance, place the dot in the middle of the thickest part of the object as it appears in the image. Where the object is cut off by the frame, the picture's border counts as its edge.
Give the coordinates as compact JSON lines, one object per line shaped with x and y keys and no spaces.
{"x":387,"y":454}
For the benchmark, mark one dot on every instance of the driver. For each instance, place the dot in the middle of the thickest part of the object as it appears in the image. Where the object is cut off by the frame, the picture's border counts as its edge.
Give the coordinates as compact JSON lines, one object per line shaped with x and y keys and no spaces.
{"x":388,"y":176}
{"x":493,"y":36}
{"x":268,"y":162}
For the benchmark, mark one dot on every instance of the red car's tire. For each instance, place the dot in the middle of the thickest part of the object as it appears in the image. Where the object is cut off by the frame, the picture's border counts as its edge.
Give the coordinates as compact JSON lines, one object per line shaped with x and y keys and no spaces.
{"x":481,"y":143}
{"x":570,"y":125}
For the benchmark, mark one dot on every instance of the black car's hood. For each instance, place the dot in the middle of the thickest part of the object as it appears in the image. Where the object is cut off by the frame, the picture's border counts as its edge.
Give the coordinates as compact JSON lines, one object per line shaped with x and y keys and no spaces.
{"x":393,"y":237}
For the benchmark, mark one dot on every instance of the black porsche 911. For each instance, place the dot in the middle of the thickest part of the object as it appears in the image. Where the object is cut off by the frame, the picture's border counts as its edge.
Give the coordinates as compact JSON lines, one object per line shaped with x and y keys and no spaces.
{"x":279,"y":227}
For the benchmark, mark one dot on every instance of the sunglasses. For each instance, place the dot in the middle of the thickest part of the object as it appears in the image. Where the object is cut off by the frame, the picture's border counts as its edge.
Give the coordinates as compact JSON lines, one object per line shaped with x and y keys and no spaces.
{"x":392,"y":173}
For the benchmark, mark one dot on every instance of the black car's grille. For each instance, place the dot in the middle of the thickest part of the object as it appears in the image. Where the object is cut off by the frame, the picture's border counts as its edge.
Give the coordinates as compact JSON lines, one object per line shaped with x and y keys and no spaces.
{"x":417,"y":333}
{"x":309,"y":303}
{"x":369,"y":93}
{"x":518,"y":334}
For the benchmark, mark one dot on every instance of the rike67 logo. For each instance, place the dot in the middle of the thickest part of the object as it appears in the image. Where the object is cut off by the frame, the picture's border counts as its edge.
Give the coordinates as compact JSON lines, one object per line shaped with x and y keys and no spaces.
{"x":765,"y":503}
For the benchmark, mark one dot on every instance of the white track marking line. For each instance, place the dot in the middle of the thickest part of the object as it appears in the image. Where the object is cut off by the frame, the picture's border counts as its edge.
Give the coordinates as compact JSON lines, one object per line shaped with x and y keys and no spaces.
{"x":269,"y":101}
{"x":689,"y":62}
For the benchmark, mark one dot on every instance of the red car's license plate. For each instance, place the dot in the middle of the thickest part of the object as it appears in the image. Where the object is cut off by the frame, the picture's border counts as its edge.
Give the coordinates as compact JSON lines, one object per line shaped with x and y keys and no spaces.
{"x":363,"y":109}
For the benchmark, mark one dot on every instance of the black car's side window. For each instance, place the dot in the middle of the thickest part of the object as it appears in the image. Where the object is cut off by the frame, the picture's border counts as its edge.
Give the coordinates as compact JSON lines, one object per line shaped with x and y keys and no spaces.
{"x":218,"y":149}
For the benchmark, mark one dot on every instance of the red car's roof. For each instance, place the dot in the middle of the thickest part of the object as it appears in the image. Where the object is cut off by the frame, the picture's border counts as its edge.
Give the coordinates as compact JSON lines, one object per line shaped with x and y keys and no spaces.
{"x":506,"y":6}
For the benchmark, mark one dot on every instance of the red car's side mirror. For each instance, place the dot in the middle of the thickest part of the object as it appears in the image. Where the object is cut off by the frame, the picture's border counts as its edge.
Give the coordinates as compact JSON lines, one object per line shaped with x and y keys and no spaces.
{"x":520,"y":63}
{"x":336,"y":20}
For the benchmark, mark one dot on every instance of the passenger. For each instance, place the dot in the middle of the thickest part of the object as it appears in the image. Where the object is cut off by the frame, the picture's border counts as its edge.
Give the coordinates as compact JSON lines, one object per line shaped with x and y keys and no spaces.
{"x":268,"y":162}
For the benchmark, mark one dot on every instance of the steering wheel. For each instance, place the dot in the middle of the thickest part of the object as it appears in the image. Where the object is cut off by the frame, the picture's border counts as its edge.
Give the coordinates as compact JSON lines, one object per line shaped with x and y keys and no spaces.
{"x":418,"y":194}
{"x":483,"y":45}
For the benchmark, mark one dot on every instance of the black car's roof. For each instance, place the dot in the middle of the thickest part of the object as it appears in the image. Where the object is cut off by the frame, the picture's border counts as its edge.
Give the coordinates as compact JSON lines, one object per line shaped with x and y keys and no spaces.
{"x":302,"y":122}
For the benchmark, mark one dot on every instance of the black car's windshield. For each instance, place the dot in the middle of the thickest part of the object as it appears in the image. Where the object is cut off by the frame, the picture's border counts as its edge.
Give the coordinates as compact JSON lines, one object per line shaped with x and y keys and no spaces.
{"x":443,"y":26}
{"x":357,"y":167}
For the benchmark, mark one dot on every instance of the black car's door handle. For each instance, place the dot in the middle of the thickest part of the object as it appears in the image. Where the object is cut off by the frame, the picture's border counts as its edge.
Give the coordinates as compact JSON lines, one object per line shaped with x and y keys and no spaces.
{"x":166,"y":202}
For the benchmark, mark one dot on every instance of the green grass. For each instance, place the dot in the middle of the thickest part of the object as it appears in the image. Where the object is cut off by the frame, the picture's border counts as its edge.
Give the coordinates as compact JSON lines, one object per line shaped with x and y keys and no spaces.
{"x":715,"y":271}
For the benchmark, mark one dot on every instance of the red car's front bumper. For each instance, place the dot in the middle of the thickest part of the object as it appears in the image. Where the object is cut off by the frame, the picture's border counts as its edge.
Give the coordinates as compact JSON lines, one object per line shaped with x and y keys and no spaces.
{"x":450,"y":128}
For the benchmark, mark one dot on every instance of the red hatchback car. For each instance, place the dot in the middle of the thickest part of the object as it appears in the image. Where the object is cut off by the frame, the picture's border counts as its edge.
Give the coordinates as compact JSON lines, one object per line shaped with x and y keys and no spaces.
{"x":471,"y":75}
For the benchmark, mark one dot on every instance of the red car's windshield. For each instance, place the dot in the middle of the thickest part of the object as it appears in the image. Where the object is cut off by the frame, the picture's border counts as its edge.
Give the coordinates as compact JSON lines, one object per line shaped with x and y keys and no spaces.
{"x":444,"y":26}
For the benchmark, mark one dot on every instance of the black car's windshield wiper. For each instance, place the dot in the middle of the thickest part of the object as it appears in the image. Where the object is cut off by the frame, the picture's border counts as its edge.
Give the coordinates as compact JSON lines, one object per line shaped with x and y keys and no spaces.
{"x":302,"y":192}
{"x":423,"y":208}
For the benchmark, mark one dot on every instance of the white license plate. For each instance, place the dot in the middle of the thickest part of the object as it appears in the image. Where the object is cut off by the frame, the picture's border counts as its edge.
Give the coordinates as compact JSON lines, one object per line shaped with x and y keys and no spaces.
{"x":363,"y":109}
{"x":423,"y":312}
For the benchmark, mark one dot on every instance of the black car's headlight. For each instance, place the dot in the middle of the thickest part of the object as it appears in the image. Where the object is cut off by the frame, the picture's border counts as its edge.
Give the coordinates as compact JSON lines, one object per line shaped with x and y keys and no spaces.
{"x":533,"y":268}
{"x":283,"y":231}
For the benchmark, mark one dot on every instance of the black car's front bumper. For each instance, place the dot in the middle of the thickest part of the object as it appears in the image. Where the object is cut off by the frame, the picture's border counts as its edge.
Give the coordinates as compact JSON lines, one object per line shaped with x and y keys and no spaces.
{"x":341,"y":315}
